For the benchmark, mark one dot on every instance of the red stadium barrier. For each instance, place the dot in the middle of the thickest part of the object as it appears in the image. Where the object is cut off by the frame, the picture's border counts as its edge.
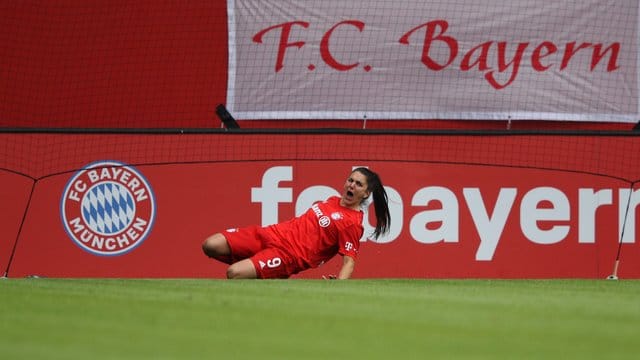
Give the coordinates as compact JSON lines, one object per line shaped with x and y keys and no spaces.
{"x":528,"y":206}
{"x":521,"y":206}
{"x":14,"y":192}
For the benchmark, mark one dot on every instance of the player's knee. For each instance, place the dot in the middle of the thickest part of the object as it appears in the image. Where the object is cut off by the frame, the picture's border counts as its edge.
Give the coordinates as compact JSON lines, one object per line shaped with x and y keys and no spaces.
{"x":241,"y":270}
{"x":212,"y":246}
{"x":233,"y":272}
{"x":207,"y":247}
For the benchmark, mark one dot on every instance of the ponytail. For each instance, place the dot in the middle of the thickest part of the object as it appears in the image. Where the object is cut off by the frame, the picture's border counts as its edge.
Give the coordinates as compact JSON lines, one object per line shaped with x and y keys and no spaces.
{"x":380,"y":201}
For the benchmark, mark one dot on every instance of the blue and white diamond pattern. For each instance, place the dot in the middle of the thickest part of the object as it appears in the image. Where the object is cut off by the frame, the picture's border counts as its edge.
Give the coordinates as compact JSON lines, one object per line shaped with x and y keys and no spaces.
{"x":108,"y":208}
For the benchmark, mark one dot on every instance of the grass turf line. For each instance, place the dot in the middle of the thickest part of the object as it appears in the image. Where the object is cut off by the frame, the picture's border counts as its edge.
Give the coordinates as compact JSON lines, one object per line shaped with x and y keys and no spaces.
{"x":315,"y":319}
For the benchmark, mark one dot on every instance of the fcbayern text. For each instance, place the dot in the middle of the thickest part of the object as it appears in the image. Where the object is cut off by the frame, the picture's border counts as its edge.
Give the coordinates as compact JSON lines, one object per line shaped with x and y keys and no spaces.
{"x":495,"y":59}
{"x":543,"y":212}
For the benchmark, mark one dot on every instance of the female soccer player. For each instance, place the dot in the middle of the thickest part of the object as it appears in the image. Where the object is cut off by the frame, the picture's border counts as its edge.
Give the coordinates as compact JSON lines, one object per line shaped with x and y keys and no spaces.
{"x":331,"y":227}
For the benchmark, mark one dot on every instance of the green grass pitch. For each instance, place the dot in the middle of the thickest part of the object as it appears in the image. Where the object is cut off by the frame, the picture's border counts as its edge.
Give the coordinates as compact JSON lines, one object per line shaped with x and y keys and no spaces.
{"x":319,"y":319}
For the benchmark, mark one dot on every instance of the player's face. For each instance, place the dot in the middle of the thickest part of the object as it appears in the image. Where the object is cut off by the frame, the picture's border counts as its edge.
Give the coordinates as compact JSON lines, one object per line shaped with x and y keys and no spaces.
{"x":355,"y":190}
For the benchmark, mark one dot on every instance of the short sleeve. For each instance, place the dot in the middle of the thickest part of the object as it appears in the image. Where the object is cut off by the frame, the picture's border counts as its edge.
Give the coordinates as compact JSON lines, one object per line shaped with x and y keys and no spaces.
{"x":349,"y":241}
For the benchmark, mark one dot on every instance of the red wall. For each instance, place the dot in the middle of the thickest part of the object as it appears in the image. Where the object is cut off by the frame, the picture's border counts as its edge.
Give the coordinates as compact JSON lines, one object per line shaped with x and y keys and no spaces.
{"x":141,"y":64}
{"x":163,"y":64}
{"x":14,"y":192}
{"x":112,"y":63}
{"x":202,"y":184}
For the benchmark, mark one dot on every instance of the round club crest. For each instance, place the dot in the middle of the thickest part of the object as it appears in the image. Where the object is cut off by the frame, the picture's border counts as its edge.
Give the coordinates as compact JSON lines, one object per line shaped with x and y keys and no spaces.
{"x":324,"y":221}
{"x":108,"y":208}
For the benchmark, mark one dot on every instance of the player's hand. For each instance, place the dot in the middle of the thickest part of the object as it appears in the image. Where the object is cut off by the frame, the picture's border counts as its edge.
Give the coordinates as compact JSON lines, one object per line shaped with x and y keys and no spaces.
{"x":329,"y":277}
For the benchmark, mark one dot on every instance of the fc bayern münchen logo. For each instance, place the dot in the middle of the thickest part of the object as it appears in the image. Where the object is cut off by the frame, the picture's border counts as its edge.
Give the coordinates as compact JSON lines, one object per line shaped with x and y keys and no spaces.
{"x":108,"y":208}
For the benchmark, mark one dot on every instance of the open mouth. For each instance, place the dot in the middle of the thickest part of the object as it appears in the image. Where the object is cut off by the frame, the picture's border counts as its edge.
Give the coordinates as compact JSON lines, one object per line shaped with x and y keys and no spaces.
{"x":349,"y":193}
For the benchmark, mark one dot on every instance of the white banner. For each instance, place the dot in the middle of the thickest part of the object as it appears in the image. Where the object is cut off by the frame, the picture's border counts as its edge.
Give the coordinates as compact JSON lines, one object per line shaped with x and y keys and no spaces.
{"x":437,"y":59}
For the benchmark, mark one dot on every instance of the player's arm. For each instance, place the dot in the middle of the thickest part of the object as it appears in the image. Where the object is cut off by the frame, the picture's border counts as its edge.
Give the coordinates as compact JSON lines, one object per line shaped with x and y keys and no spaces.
{"x":348,"y":264}
{"x":349,"y":243}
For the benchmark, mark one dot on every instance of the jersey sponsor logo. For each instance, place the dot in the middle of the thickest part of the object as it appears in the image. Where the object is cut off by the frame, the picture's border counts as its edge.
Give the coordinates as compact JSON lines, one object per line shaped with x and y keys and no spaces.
{"x":324,"y":221}
{"x":316,"y":210}
{"x":348,"y":246}
{"x":108,"y":208}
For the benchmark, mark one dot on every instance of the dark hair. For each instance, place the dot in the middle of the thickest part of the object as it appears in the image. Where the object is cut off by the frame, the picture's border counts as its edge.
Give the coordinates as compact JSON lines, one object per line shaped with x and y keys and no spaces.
{"x":380,"y":201}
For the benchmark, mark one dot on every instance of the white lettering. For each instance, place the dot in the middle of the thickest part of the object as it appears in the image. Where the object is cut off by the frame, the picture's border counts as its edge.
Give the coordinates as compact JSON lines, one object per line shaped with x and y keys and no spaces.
{"x":97,"y":242}
{"x":316,"y":210}
{"x":140,"y":224}
{"x":86,"y":236}
{"x":105,"y":174}
{"x":133,"y":184}
{"x":123,"y":240}
{"x":588,"y":202}
{"x":141,"y":194}
{"x":544,"y":212}
{"x":132,"y":233}
{"x":125,"y":177}
{"x":80,"y":186}
{"x":489,"y":228}
{"x":531,"y":214}
{"x":77,"y":225}
{"x":110,"y":244}
{"x":269,"y":195}
{"x":93,"y":176}
{"x":111,"y":173}
{"x":73,"y":195}
{"x":116,"y":171}
{"x":447,"y":216}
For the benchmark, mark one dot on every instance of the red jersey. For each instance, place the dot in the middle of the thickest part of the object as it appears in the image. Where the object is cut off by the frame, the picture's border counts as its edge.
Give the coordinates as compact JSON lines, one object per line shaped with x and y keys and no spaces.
{"x":326,"y":229}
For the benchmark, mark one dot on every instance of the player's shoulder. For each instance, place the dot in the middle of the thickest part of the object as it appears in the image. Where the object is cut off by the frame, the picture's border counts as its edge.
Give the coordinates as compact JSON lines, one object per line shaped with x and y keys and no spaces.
{"x":330,"y":201}
{"x":334,"y":199}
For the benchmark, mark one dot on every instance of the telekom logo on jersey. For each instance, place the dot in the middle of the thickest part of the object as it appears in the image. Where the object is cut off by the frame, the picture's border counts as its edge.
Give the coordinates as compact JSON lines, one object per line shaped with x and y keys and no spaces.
{"x":539,"y":207}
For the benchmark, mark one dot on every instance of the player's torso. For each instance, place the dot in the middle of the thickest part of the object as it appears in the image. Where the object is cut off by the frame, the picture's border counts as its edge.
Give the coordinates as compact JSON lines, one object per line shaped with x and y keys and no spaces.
{"x":315,"y":233}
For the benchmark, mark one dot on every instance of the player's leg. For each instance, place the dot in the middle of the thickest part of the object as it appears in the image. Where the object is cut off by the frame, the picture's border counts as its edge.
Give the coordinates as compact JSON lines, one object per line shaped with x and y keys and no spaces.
{"x":233,"y":245}
{"x":217,"y":247}
{"x":270,"y":263}
{"x":243,"y":269}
